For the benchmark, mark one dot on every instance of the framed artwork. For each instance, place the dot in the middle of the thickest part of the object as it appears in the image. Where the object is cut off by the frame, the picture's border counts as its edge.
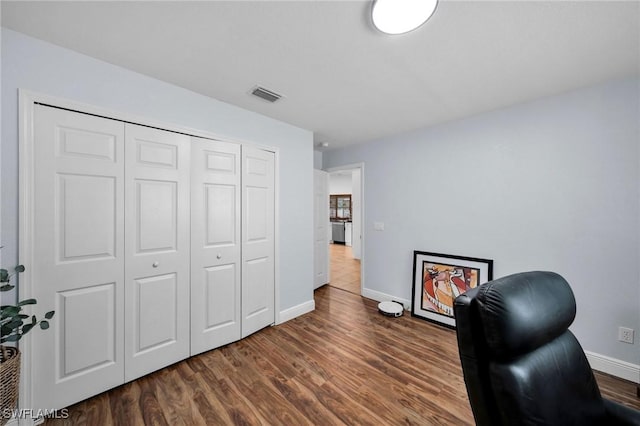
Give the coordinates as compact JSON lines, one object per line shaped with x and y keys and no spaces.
{"x":439,"y":278}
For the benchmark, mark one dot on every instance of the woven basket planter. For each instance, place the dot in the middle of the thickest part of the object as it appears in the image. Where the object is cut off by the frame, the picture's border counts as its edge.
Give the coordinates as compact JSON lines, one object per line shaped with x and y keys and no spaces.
{"x":9,"y":381}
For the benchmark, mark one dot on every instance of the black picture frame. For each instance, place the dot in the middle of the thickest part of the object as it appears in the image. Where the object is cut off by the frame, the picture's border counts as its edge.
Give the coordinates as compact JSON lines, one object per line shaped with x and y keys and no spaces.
{"x":439,"y":278}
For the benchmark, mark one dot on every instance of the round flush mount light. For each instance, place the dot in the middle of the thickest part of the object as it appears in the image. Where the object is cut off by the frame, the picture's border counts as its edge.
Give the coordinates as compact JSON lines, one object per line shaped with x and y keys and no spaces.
{"x":401,"y":16}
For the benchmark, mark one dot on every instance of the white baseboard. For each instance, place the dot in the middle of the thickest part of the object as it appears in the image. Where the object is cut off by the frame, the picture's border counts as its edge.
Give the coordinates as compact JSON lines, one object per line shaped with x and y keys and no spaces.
{"x":615,"y":367}
{"x":296,"y":311}
{"x":383,"y":297}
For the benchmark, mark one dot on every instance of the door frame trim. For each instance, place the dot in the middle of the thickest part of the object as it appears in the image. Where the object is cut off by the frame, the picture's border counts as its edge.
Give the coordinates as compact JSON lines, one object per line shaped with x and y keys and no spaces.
{"x":26,"y":102}
{"x":325,"y":212}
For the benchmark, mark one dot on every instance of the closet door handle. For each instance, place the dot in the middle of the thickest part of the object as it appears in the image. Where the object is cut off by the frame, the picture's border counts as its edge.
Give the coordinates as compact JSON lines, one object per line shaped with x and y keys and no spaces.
{"x":155,"y":264}
{"x":219,"y":256}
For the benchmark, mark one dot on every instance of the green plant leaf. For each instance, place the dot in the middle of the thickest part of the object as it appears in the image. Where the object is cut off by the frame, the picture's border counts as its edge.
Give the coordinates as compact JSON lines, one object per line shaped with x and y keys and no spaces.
{"x":44,"y":324}
{"x":12,"y":338}
{"x":19,"y":268}
{"x":11,"y":310}
{"x":3,"y":307}
{"x":34,"y":320}
{"x":27,"y":328}
{"x":23,"y":316}
{"x":4,"y":275}
{"x":7,"y":318}
{"x":15,"y":324}
{"x":7,"y":287}
{"x":49,"y":314}
{"x":28,"y":302}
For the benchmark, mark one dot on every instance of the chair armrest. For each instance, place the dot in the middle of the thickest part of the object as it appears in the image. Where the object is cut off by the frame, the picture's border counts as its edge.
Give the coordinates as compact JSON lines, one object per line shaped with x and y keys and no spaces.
{"x":618,"y":414}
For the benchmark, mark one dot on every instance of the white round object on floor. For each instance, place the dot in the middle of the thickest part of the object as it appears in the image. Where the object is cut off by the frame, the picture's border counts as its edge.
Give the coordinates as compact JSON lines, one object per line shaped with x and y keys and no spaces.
{"x":391,"y":309}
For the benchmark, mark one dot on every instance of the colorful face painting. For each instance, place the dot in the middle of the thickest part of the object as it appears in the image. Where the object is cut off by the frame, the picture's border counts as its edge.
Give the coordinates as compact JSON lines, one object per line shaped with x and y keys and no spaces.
{"x":443,"y":283}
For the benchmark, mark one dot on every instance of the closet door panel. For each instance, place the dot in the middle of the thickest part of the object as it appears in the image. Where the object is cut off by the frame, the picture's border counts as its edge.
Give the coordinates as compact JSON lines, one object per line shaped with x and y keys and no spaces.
{"x":84,"y":351}
{"x":78,"y":252}
{"x":258,"y":225}
{"x":215,"y":244}
{"x":156,"y":319}
{"x":156,"y":215}
{"x":157,"y":249}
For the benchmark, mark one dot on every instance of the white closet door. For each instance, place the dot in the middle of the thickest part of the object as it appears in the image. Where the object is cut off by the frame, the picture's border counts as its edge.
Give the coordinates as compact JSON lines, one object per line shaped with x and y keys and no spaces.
{"x":258,"y":216}
{"x":321,"y":228}
{"x":78,"y":248}
{"x":215,"y":244}
{"x":156,"y":249}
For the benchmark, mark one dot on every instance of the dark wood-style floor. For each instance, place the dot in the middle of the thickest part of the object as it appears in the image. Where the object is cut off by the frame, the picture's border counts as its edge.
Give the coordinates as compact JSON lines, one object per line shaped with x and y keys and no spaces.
{"x":344,"y":363}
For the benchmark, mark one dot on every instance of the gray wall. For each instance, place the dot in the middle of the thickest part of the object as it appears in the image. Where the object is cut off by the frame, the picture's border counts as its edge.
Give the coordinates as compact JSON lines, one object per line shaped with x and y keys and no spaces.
{"x":31,"y":64}
{"x":551,"y":185}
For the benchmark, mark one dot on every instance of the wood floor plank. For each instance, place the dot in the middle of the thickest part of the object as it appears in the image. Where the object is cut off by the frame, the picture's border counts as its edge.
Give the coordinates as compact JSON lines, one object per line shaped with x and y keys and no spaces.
{"x":340,"y":404}
{"x":342,"y":364}
{"x":149,"y":409}
{"x":237,"y":408}
{"x":277,"y":349}
{"x":271,"y":404}
{"x":175,"y":398}
{"x":305,"y":401}
{"x":94,"y":411}
{"x":211,"y":409}
{"x":124,"y":406}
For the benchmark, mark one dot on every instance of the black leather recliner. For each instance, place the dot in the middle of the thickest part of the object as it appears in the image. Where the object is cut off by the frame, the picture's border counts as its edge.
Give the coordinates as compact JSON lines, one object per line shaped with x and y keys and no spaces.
{"x":521,"y":364}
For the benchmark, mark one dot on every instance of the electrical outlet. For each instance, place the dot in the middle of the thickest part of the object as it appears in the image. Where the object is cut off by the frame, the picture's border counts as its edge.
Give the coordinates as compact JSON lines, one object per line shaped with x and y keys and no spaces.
{"x":625,"y":334}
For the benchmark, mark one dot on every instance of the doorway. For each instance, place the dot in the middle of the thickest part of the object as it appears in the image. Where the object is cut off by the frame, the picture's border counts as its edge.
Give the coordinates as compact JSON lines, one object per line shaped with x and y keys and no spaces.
{"x":345,"y":243}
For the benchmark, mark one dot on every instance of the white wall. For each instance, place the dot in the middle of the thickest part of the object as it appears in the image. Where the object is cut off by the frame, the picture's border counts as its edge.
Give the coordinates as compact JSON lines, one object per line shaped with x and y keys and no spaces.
{"x":548,"y":185}
{"x":340,"y":183}
{"x":42,"y":67}
{"x":317,"y":160}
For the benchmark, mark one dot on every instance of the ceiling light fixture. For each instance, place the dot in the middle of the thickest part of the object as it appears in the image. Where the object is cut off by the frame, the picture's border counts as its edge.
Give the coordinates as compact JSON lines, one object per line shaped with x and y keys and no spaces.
{"x":401,"y":16}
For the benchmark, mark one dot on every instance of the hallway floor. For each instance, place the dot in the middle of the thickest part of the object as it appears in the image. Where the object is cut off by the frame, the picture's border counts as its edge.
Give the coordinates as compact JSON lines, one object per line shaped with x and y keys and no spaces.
{"x":345,"y":270}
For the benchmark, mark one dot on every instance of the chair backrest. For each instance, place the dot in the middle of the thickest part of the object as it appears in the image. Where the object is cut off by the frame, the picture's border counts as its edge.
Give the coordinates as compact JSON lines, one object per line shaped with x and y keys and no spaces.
{"x":521,"y":363}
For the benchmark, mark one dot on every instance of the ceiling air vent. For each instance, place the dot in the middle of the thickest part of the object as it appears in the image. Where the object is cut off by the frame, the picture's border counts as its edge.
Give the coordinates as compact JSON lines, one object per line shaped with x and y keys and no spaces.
{"x":265,"y":94}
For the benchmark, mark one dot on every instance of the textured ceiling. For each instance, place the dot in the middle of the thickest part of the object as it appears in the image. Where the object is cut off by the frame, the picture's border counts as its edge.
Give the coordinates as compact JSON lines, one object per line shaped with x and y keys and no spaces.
{"x":341,"y":78}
